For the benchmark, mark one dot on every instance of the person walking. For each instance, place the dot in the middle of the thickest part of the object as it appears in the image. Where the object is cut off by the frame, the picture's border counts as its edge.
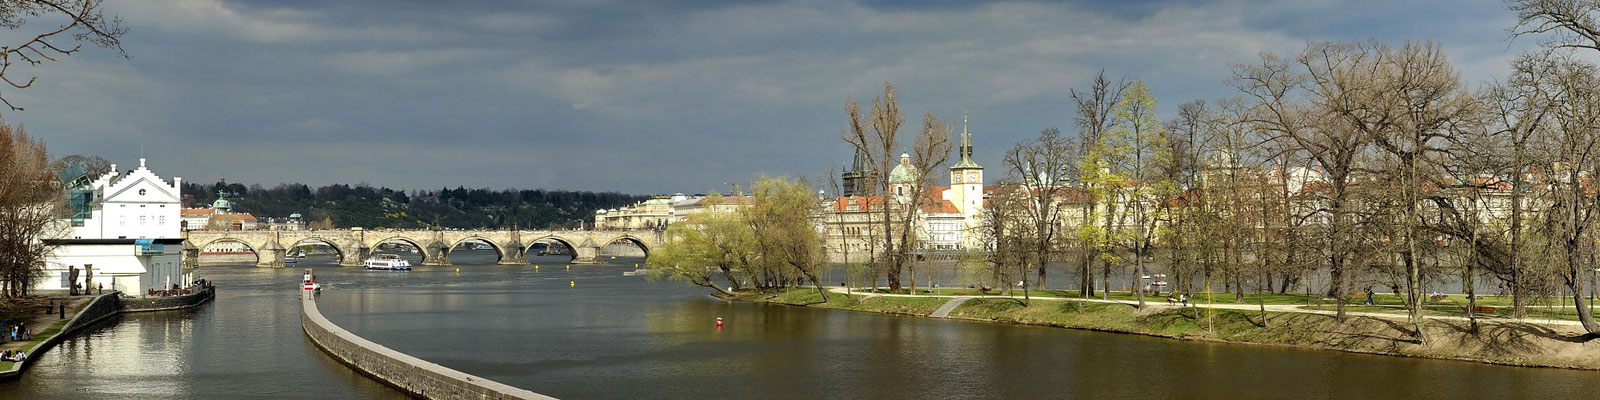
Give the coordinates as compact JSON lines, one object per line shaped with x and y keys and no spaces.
{"x":101,"y":286}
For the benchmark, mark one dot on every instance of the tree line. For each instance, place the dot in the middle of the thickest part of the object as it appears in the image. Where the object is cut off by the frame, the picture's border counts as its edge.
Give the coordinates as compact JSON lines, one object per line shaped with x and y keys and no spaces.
{"x":1365,"y":163}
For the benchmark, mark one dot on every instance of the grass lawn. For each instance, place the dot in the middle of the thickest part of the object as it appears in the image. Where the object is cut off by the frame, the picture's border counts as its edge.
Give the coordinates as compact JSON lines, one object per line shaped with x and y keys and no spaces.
{"x":1456,"y":300}
{"x":810,"y":298}
{"x":38,"y":338}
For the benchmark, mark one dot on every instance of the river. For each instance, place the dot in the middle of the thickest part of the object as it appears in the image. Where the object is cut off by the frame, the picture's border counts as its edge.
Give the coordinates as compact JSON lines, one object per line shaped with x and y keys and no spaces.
{"x":589,"y":332}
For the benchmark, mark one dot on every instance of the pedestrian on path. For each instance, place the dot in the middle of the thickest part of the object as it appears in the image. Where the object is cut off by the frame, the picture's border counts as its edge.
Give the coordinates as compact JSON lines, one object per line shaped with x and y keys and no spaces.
{"x":101,"y":286}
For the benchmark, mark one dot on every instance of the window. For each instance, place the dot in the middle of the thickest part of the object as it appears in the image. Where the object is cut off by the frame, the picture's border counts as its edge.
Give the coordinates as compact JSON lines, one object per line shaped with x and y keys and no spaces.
{"x":122,"y":220}
{"x":162,"y":220}
{"x":141,"y":192}
{"x":141,"y":220}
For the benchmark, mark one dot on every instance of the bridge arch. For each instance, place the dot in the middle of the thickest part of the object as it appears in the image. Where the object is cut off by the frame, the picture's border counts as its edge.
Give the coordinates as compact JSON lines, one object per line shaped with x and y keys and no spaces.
{"x":571,"y":248}
{"x":630,"y":239}
{"x":499,"y":251}
{"x":343,"y":254}
{"x":209,"y":247}
{"x":421,"y":251}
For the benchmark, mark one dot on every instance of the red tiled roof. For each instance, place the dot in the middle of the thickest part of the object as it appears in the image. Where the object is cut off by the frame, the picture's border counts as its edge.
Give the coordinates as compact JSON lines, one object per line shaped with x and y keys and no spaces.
{"x":941,"y":206}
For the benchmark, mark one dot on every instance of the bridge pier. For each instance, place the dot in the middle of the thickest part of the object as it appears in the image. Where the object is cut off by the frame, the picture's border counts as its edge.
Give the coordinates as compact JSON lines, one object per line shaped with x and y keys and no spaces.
{"x":586,"y":255}
{"x":271,"y":255}
{"x":512,"y":254}
{"x":355,"y":257}
{"x":436,"y":253}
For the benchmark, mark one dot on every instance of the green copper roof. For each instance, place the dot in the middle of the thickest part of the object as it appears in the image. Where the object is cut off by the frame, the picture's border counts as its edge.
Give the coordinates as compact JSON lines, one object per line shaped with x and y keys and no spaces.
{"x":966,"y":149}
{"x":903,"y":173}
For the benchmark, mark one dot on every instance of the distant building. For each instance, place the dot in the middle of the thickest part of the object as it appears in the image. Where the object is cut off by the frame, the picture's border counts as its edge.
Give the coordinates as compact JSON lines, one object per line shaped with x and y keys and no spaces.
{"x":293,"y":223}
{"x":125,"y":228}
{"x":945,"y":218}
{"x":219,"y":217}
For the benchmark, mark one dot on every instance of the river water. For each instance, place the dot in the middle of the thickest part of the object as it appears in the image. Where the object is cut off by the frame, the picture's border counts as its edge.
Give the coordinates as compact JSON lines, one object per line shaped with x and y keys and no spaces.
{"x":589,"y":332}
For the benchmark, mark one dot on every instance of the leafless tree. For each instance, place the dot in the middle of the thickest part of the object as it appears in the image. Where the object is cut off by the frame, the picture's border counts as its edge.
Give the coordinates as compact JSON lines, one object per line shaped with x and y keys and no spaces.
{"x":877,"y":133}
{"x":1039,"y":165}
{"x":31,"y":204}
{"x":82,"y":21}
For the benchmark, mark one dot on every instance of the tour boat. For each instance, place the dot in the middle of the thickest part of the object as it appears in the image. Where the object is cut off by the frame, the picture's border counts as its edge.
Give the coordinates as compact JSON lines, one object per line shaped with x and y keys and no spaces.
{"x":635,"y":272}
{"x":389,"y":262}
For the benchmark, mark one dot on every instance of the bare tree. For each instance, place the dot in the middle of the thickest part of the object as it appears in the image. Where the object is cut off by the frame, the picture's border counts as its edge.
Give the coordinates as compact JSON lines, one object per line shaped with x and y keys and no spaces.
{"x":31,"y":204}
{"x":1564,"y":23}
{"x":1282,"y":103}
{"x":877,"y":133}
{"x":1576,"y":159}
{"x":1408,"y":101}
{"x":83,"y":22}
{"x":1039,"y":165}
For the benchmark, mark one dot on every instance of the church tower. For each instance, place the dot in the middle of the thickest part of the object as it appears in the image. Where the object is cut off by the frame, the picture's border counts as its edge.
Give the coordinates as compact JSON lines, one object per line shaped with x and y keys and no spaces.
{"x":858,"y":179}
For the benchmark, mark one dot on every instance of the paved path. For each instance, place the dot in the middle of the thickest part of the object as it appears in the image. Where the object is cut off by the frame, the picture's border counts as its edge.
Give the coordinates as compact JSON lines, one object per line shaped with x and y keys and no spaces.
{"x":1282,"y":308}
{"x":36,"y":319}
{"x":944,"y":310}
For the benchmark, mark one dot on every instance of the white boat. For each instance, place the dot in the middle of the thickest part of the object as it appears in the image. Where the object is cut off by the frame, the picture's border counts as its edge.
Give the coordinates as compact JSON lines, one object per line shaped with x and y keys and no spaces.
{"x":636,"y":272}
{"x":389,"y":262}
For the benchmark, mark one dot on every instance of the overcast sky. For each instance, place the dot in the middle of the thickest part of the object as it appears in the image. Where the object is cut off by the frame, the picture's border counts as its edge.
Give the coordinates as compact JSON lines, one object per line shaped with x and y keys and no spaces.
{"x":646,"y":96}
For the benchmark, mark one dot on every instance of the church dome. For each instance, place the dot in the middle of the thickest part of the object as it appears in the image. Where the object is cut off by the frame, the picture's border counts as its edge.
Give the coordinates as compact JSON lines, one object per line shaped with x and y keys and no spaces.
{"x":904,"y":173}
{"x":221,"y":204}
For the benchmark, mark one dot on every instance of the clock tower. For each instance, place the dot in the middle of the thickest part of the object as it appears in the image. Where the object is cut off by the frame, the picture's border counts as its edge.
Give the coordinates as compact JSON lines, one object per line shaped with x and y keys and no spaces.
{"x":966,"y":186}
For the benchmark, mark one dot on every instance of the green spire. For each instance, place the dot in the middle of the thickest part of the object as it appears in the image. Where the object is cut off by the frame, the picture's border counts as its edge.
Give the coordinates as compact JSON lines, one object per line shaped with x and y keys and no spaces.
{"x":966,"y":148}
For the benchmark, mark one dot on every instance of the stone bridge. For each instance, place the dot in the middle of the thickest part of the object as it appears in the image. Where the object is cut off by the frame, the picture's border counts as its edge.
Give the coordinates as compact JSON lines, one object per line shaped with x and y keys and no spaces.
{"x":354,"y":245}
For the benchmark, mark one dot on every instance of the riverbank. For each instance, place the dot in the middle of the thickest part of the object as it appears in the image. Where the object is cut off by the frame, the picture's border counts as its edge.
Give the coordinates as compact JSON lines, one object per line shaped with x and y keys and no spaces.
{"x":85,"y":311}
{"x":1496,"y":342}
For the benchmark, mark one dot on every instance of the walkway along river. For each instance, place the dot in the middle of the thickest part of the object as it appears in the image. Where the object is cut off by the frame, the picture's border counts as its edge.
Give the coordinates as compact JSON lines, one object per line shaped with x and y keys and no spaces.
{"x":589,"y":332}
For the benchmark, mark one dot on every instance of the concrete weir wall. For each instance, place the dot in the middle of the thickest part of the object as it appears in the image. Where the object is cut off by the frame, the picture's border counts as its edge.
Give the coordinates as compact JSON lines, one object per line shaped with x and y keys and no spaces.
{"x":410,"y":374}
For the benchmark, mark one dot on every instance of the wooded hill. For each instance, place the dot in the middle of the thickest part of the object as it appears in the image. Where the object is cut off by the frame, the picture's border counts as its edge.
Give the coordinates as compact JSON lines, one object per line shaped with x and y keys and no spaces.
{"x":361,"y":205}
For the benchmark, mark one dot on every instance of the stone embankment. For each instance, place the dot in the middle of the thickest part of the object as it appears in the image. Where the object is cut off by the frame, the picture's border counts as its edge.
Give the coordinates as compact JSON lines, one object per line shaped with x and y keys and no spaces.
{"x":99,"y":309}
{"x":104,"y":307}
{"x":165,"y":303}
{"x":410,"y":374}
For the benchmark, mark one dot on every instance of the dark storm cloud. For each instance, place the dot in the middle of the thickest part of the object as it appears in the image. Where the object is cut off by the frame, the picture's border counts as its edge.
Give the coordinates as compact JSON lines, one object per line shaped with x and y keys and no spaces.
{"x":658,"y":96}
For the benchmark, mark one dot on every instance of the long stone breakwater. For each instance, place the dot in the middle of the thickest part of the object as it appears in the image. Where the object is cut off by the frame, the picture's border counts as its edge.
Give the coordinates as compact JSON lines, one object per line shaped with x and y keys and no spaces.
{"x":413,"y":375}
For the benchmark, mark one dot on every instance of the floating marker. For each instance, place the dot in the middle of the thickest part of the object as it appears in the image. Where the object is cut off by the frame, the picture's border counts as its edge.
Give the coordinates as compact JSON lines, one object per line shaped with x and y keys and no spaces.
{"x":569,"y":267}
{"x":572,"y":283}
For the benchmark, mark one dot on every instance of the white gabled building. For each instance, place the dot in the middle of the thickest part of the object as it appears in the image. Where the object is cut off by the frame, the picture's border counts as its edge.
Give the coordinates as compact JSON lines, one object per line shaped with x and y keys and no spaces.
{"x":125,"y":228}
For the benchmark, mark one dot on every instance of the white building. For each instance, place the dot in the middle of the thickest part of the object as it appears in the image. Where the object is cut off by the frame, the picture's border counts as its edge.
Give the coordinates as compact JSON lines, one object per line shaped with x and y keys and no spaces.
{"x":124,"y":228}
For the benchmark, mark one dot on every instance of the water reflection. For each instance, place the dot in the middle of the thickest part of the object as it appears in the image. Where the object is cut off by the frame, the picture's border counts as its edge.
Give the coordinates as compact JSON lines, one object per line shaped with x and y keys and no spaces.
{"x":592,"y":333}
